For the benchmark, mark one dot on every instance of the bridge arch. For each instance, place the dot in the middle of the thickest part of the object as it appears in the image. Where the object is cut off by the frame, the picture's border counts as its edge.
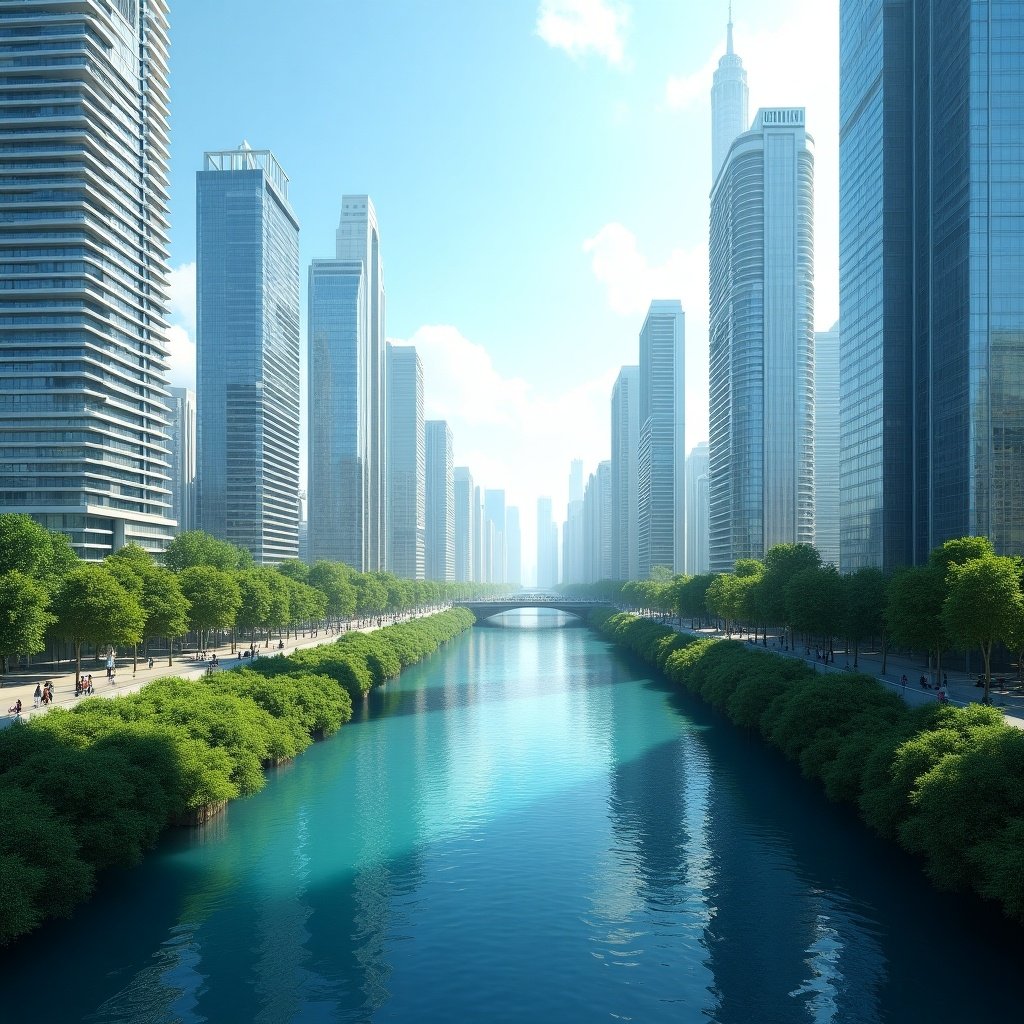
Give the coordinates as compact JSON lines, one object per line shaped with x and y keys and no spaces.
{"x":488,"y":609}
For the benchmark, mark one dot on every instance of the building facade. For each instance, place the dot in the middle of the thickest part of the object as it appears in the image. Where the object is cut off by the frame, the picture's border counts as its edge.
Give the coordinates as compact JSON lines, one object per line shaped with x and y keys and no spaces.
{"x":698,"y":508}
{"x":513,"y":547}
{"x":465,"y":525}
{"x":84,"y":264}
{"x":931,"y":308}
{"x":406,"y":464}
{"x":761,"y":341}
{"x":182,"y":443}
{"x":826,"y":445}
{"x":347,"y":395}
{"x":729,"y":100}
{"x":440,"y":502}
{"x":247,"y":354}
{"x":661,"y":462}
{"x":547,"y":545}
{"x":494,"y":512}
{"x":625,"y":474}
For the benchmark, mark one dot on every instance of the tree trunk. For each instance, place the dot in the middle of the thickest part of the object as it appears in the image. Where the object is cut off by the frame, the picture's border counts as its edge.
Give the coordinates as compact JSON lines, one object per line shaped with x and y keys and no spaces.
{"x":885,"y":653}
{"x":170,"y":652}
{"x":78,"y":663}
{"x":856,"y":653}
{"x":986,"y":653}
{"x":135,"y":658}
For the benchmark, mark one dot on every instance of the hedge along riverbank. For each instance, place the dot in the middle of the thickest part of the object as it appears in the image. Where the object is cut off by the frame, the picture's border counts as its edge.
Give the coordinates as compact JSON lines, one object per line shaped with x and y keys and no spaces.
{"x":946,"y":783}
{"x":94,"y":787}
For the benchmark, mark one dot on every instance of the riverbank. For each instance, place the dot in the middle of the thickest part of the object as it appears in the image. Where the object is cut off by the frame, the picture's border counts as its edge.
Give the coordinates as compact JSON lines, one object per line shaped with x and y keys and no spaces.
{"x":941,"y":781}
{"x":93,"y":787}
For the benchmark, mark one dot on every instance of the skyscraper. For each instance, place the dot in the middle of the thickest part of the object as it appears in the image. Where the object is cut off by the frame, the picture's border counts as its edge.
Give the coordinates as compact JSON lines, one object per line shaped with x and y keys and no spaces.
{"x":661,"y":511}
{"x":931,"y":308}
{"x":597,"y":525}
{"x":625,"y":480}
{"x":247,"y":354}
{"x":572,"y":530}
{"x":347,"y":395}
{"x":761,"y":341}
{"x":465,"y":524}
{"x":406,"y":464}
{"x":181,"y":440}
{"x":513,"y":547}
{"x":547,"y":546}
{"x":826,"y":445}
{"x":698,"y":507}
{"x":83,"y":261}
{"x":440,"y":502}
{"x":479,"y":533}
{"x":729,"y":97}
{"x":494,"y":512}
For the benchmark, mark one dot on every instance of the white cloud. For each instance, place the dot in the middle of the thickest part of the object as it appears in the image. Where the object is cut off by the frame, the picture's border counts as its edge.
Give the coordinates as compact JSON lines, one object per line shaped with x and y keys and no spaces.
{"x":582,"y":26}
{"x":181,"y":332}
{"x":512,"y":434}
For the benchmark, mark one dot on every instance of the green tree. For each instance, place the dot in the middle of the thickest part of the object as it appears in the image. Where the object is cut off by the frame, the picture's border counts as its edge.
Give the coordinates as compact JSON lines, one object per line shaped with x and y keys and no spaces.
{"x":334,"y":581}
{"x":814,"y":602}
{"x":166,"y":607}
{"x":24,"y":617}
{"x":863,"y":609}
{"x":982,"y":603}
{"x":91,"y":606}
{"x":782,"y":563}
{"x":913,"y":611}
{"x":371,"y":596}
{"x":727,"y":597}
{"x":295,"y":570}
{"x":692,"y":597}
{"x":194,"y":548}
{"x":31,"y":549}
{"x":254,"y":610}
{"x":213,"y":598}
{"x":958,"y":551}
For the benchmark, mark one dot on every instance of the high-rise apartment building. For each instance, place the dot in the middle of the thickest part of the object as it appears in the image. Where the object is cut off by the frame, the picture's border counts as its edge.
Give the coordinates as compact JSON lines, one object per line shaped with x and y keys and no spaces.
{"x":931,"y":260}
{"x":406,"y":463}
{"x":181,"y":440}
{"x":440,"y":502}
{"x":761,"y":341}
{"x":547,"y":546}
{"x":597,"y":525}
{"x":247,"y":354}
{"x":347,"y":395}
{"x":698,"y":508}
{"x":729,"y":98}
{"x":84,"y":263}
{"x":479,"y":532}
{"x":465,"y":524}
{"x":625,"y":478}
{"x":494,"y":512}
{"x":826,"y":445}
{"x":513,"y":547}
{"x":661,"y":463}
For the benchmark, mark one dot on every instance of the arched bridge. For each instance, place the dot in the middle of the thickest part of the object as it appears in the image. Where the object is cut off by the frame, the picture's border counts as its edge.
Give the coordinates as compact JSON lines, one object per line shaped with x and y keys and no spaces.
{"x":488,"y":609}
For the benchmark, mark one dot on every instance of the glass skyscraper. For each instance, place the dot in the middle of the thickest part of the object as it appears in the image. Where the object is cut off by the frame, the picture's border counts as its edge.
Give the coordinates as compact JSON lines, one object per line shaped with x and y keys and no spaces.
{"x":761,"y":342}
{"x":406,"y":463}
{"x":347,"y":395}
{"x":247,"y":354}
{"x":826,"y":445}
{"x":182,"y":444}
{"x":625,"y":479}
{"x":440,"y":502}
{"x":729,"y":99}
{"x":931,"y":260}
{"x":698,"y":508}
{"x":83,"y":270}
{"x":661,"y":490}
{"x":465,"y":524}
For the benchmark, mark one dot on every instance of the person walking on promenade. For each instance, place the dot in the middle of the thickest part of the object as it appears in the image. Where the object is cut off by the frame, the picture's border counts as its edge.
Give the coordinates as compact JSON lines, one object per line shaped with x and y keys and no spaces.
{"x":37,"y":696}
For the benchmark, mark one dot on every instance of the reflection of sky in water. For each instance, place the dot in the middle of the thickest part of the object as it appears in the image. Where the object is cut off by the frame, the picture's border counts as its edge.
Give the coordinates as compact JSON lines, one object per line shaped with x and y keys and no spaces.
{"x":522,"y":828}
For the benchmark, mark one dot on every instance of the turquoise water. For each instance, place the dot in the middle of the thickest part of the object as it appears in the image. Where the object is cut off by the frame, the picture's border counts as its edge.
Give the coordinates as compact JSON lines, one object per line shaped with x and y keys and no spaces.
{"x":525,"y":828}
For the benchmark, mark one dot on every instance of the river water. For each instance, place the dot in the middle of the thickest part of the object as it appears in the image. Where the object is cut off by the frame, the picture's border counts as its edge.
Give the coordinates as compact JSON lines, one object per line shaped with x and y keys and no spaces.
{"x":527,"y":827}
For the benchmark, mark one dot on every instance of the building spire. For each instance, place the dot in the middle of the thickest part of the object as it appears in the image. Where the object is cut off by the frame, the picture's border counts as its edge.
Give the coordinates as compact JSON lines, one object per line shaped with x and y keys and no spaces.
{"x":728,"y":48}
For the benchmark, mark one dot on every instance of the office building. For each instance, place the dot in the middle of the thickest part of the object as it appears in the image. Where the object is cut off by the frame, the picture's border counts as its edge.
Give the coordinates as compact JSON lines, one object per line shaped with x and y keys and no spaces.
{"x":181,"y":441}
{"x":479,"y":531}
{"x":729,"y":98}
{"x":465,"y":524}
{"x":494,"y":512}
{"x":761,"y":341}
{"x":347,"y":395}
{"x":573,"y":539}
{"x":931,"y":260}
{"x":826,"y":445}
{"x":513,"y":547}
{"x":406,"y":463}
{"x":661,"y":483}
{"x":547,"y":546}
{"x":84,"y":264}
{"x":597,"y":525}
{"x":440,"y":502}
{"x":698,"y":508}
{"x":247,"y":354}
{"x":625,"y":474}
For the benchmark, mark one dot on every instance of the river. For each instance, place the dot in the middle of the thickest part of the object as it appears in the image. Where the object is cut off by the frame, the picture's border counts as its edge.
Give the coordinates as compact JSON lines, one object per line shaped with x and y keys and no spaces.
{"x":526,"y":827}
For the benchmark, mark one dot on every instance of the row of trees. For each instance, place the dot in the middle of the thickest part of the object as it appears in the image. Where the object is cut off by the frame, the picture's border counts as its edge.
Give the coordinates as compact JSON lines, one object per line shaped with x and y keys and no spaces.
{"x":942,"y":781}
{"x":966,"y":598}
{"x":48,"y":594}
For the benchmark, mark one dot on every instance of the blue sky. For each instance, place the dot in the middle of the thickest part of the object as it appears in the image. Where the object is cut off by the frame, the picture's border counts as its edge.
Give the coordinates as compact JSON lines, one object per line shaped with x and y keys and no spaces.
{"x":540,"y":170}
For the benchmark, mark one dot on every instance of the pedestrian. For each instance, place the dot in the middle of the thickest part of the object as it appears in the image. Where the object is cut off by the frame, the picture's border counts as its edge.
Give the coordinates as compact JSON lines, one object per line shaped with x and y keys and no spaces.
{"x":37,"y":696}
{"x":151,"y":662}
{"x":903,"y":680}
{"x":945,"y":680}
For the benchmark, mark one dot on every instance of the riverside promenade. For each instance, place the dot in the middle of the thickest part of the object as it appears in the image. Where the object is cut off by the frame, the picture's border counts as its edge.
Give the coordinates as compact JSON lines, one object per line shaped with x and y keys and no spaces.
{"x":22,"y":684}
{"x":960,"y":688}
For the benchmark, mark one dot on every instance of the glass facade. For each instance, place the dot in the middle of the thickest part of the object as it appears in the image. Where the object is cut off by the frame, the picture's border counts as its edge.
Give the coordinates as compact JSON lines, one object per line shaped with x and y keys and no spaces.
{"x":932,"y":255}
{"x":247,"y":354}
{"x":698,"y":508}
{"x":547,"y":545}
{"x":440,"y":502}
{"x":182,"y":442}
{"x":826,"y":445}
{"x":661,"y":490}
{"x":760,"y":449}
{"x":83,"y":271}
{"x":407,"y":464}
{"x":464,"y":524}
{"x":625,"y":474}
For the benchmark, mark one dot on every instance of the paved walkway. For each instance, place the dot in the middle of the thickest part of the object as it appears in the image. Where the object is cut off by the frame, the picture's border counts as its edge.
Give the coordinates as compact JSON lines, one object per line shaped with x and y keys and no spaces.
{"x":960,"y":689}
{"x":22,"y":684}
